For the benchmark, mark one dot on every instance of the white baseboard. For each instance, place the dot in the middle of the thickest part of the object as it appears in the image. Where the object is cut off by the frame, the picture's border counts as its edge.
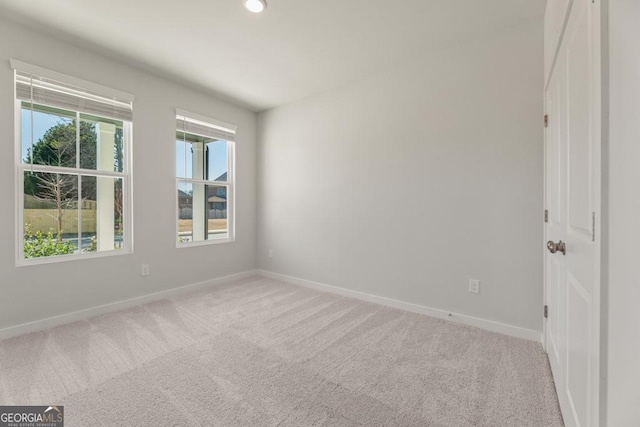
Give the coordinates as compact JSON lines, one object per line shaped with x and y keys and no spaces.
{"x":50,"y":322}
{"x":489,"y":325}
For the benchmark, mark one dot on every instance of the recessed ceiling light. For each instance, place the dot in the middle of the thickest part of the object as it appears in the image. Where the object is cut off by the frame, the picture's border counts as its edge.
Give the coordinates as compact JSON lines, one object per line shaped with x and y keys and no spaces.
{"x":255,"y":6}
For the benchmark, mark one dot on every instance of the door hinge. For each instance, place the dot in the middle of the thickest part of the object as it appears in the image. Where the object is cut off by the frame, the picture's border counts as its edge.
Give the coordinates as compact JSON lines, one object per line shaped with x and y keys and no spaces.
{"x":546,"y":215}
{"x":546,"y":120}
{"x":593,"y":226}
{"x":546,"y":311}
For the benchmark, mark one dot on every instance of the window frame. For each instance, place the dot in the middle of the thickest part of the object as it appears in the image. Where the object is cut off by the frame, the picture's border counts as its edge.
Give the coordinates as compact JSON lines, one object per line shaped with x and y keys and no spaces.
{"x":229,"y":183}
{"x":21,"y":168}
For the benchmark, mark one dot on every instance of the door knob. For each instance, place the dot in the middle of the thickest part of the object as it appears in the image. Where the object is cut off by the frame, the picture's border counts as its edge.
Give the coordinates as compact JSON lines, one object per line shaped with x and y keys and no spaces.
{"x":555,"y":247}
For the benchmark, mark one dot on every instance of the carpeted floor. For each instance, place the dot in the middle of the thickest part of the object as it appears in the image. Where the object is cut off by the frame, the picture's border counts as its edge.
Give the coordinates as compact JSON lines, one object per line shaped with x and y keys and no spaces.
{"x":258,"y":352}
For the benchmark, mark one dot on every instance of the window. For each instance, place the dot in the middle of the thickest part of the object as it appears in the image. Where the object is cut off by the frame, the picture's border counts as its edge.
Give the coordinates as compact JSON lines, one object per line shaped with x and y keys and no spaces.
{"x":204,"y":179}
{"x":73,"y":167}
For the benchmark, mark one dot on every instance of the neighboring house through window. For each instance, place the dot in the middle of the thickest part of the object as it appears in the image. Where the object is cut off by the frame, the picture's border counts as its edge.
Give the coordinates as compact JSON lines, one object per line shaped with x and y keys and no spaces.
{"x":204,"y":179}
{"x":73,"y":166}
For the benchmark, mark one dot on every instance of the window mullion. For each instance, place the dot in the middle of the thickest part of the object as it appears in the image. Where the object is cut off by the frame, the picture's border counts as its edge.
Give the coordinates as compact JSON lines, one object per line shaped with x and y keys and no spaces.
{"x":72,"y":171}
{"x":203,"y":181}
{"x":79,"y":195}
{"x":79,"y":198}
{"x":77,"y":140}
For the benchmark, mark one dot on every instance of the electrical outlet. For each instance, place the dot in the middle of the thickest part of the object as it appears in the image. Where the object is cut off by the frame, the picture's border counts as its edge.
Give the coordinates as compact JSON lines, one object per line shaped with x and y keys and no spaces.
{"x":146,"y":270}
{"x":474,"y":286}
{"x":270,"y":253}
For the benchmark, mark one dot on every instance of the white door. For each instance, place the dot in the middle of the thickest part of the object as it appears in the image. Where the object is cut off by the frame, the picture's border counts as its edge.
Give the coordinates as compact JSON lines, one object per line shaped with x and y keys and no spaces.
{"x":572,"y":193}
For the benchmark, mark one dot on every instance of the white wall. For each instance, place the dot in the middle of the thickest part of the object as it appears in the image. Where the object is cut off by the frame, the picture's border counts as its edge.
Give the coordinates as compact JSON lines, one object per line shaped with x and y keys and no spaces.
{"x":623,"y":350}
{"x":36,"y":292}
{"x":410,"y":183}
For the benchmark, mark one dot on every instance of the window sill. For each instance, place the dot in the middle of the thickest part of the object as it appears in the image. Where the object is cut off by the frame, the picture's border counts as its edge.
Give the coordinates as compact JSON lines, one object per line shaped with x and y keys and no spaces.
{"x":25,"y":262}
{"x":205,"y":242}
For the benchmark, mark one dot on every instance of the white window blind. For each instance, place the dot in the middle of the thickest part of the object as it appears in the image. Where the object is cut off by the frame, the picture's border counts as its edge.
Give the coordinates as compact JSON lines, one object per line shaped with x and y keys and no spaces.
{"x":45,"y":87}
{"x":196,"y":125}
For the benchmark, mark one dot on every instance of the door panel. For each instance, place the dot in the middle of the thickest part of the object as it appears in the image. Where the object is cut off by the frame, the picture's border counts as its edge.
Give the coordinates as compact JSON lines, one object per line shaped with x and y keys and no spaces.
{"x":579,"y":156}
{"x":578,"y":366}
{"x":572,"y":176}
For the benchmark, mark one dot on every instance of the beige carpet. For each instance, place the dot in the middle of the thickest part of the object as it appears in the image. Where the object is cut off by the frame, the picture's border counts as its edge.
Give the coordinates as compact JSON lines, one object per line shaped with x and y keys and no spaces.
{"x":259,"y":352}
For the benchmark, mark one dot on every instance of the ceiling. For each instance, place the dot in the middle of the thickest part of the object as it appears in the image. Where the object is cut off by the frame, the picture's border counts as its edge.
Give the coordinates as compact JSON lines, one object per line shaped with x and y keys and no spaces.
{"x":295,"y":49}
